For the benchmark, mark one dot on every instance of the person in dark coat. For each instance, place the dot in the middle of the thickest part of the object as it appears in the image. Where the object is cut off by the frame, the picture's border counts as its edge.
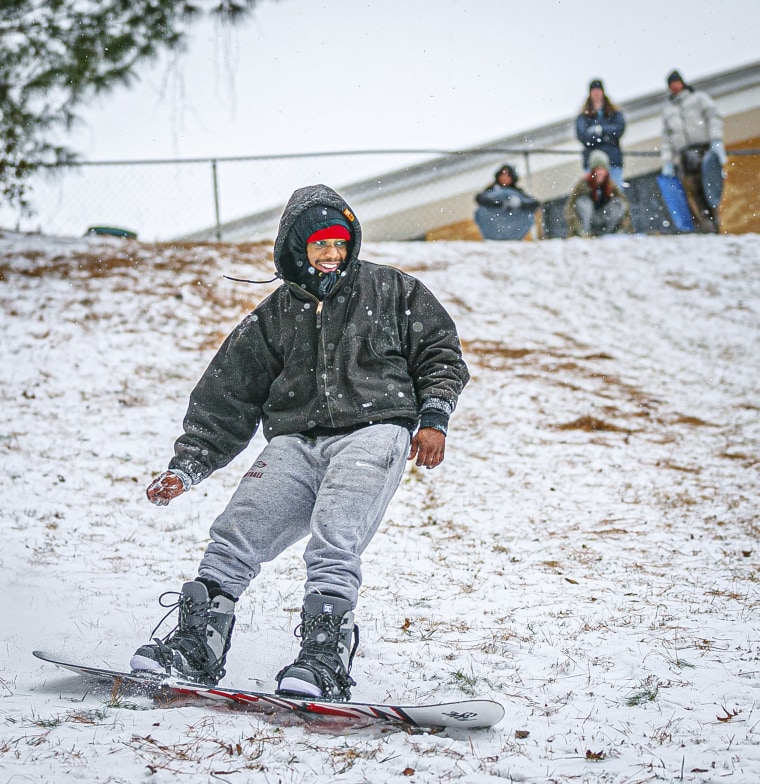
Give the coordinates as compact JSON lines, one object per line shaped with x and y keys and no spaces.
{"x":348,"y":367}
{"x":599,"y":126}
{"x":506,"y":212}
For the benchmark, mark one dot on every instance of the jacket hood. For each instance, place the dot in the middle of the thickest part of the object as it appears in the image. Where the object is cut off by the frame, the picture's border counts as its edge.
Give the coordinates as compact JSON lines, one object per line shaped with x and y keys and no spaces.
{"x":288,"y":253}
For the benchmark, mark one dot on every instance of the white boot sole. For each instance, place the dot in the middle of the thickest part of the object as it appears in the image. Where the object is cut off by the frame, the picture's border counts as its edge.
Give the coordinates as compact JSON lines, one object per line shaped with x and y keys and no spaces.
{"x":144,"y":664}
{"x":297,"y":686}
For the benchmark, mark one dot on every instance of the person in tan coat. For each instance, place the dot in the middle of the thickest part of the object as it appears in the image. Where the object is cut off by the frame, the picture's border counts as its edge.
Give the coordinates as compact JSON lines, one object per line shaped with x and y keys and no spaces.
{"x":596,"y":205}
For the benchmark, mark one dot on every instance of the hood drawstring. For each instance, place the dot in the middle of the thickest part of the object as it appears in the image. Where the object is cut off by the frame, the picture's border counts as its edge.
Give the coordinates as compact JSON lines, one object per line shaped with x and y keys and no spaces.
{"x":245,"y":280}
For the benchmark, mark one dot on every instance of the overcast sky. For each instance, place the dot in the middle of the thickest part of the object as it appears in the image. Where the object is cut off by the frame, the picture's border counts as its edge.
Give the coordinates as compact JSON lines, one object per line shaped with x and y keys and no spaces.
{"x":317,"y":75}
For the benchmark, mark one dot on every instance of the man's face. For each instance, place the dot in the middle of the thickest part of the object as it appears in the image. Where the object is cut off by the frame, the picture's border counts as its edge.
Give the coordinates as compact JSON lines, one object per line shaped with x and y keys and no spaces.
{"x":676,"y":86}
{"x":326,"y":255}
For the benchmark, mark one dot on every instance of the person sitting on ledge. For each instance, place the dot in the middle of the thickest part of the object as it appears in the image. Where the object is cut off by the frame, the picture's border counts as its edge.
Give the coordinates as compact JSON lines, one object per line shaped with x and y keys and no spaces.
{"x":506,"y":212}
{"x":596,"y":206}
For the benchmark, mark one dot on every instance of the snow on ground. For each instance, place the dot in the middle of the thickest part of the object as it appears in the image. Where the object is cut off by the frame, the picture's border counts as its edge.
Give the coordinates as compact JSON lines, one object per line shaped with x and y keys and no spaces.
{"x":587,"y":554}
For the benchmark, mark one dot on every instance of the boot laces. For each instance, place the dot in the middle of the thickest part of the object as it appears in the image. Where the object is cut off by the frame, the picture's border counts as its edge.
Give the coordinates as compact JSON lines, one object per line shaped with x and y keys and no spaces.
{"x":311,"y":626}
{"x":189,"y":640}
{"x":324,"y":661}
{"x":188,"y":610}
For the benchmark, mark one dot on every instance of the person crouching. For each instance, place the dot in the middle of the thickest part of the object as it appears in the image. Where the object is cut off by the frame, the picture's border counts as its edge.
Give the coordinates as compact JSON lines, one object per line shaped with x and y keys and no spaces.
{"x":596,"y":205}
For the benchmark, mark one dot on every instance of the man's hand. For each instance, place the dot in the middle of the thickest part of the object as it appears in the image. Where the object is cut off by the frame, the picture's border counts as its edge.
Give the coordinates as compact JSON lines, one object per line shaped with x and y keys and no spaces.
{"x":428,"y":446}
{"x":164,"y":488}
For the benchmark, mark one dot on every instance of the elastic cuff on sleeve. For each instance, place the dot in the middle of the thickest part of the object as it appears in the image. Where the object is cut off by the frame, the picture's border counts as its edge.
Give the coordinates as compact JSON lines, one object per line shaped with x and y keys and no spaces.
{"x":435,"y":419}
{"x":183,"y":476}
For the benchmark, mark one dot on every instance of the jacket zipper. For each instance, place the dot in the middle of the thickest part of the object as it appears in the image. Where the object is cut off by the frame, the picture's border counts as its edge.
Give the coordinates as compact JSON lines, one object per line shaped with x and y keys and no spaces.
{"x":320,"y":339}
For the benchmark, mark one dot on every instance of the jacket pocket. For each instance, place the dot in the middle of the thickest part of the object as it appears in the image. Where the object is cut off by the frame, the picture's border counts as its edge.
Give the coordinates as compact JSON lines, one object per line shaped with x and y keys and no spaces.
{"x":378,"y":378}
{"x":294,"y":389}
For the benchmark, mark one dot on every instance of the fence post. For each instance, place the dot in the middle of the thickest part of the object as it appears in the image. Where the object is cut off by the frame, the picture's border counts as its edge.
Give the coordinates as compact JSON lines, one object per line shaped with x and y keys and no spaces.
{"x":528,"y":175}
{"x":536,"y":230}
{"x":218,"y":222}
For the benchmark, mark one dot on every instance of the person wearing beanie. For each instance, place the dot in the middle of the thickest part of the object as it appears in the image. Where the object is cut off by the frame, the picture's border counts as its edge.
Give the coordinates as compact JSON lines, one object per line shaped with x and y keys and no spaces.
{"x":692,"y":127}
{"x":506,"y":211}
{"x":349,"y":369}
{"x":599,"y":126}
{"x":319,"y":227}
{"x":596,"y":205}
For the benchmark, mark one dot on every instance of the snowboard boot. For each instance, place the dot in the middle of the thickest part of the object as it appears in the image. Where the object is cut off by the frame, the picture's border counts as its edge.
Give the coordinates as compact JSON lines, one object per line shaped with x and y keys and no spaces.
{"x":196,"y":649}
{"x":322,"y":668}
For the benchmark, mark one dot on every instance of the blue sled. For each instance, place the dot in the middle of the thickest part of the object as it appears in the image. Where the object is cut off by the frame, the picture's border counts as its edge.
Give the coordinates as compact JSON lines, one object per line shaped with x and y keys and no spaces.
{"x":496,"y":223}
{"x":674,"y":197}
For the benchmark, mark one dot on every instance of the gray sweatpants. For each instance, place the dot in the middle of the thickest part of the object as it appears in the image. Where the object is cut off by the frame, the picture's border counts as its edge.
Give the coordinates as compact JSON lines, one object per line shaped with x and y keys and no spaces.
{"x":333,"y":489}
{"x":596,"y":221}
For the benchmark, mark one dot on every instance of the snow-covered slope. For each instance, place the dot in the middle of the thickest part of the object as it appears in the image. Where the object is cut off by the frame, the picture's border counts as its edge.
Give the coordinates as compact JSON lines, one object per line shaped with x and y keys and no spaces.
{"x":587,"y":554}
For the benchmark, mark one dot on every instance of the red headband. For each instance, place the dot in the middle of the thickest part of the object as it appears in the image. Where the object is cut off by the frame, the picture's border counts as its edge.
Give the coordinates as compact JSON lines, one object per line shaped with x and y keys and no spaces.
{"x":336,"y":232}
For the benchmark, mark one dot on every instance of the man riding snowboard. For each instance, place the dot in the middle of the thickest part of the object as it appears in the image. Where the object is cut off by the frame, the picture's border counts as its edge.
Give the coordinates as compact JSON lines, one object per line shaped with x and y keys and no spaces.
{"x":348,"y":367}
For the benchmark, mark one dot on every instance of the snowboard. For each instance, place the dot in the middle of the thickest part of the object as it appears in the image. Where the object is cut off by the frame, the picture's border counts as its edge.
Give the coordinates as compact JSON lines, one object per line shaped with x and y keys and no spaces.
{"x":674,"y":197}
{"x":465,"y":714}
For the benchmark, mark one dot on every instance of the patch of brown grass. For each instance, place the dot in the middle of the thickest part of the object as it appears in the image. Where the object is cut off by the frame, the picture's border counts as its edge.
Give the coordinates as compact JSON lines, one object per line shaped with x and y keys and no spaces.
{"x":749,"y":460}
{"x":682,"y":419}
{"x":98,"y":261}
{"x":488,"y":353}
{"x":130,"y":265}
{"x":676,"y":467}
{"x":591,"y":424}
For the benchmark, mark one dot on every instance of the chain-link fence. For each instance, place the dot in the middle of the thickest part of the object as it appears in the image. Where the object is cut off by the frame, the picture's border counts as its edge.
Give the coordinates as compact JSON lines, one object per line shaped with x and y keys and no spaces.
{"x":164,"y":200}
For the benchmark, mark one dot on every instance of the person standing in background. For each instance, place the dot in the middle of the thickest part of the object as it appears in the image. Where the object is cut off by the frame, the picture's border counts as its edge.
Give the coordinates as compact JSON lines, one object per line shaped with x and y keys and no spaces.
{"x":599,"y":126}
{"x":692,"y":126}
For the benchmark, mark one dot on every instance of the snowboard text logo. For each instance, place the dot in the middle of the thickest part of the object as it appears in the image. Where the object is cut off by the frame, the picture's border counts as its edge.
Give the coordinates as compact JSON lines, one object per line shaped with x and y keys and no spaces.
{"x":462,"y":716}
{"x":254,"y":472}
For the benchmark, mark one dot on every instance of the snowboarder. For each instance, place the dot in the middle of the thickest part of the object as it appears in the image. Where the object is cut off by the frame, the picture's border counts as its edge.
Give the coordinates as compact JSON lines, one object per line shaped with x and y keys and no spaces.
{"x":692,"y":126}
{"x":348,"y":367}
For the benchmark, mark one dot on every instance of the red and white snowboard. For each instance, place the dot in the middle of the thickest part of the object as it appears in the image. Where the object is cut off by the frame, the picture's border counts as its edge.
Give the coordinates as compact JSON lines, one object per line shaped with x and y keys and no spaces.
{"x":464,"y":714}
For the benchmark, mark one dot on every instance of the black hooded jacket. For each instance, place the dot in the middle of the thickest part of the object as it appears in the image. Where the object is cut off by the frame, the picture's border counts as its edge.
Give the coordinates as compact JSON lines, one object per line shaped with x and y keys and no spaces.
{"x":379,"y":346}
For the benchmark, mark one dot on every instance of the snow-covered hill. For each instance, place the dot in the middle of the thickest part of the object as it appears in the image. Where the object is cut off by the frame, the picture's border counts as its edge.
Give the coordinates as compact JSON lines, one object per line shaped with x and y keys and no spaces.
{"x":587,"y":554}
